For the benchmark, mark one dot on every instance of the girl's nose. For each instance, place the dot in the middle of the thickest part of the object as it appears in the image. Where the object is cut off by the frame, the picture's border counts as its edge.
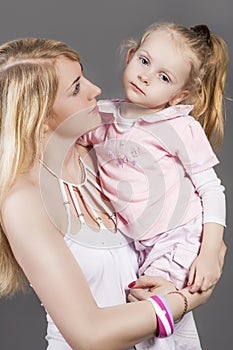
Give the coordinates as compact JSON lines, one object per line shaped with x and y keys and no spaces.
{"x":144,"y":79}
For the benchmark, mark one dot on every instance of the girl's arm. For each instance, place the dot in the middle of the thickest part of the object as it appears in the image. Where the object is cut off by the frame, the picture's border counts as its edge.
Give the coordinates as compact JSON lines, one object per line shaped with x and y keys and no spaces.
{"x":207,"y":267}
{"x":56,"y":277}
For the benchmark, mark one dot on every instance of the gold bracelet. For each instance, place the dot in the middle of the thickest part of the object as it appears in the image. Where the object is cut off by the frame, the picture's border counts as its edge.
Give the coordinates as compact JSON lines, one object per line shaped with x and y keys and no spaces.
{"x":185,"y":304}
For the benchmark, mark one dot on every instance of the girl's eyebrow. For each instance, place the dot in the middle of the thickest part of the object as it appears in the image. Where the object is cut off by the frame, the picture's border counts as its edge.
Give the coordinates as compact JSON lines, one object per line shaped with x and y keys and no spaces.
{"x":143,"y":51}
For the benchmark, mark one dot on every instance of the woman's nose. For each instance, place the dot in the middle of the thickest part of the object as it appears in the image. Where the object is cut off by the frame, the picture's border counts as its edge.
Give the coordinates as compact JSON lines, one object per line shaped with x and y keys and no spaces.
{"x":94,"y":91}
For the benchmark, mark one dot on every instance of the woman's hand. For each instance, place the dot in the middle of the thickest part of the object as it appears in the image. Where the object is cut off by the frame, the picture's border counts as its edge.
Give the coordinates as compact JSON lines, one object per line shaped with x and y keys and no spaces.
{"x":146,"y":286}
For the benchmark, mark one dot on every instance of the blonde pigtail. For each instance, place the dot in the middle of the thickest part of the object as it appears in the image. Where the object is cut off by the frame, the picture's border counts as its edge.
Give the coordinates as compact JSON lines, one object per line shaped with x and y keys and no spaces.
{"x":209,"y":105}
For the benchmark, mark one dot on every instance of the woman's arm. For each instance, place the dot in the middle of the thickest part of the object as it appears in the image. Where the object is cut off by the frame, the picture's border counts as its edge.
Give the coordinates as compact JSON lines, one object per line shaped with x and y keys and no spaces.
{"x":61,"y":286}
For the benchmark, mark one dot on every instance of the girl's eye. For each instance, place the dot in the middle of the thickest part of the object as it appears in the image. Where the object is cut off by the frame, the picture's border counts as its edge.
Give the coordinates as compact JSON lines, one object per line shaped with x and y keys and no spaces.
{"x":164,"y":78}
{"x":76,"y":89}
{"x":144,"y":60}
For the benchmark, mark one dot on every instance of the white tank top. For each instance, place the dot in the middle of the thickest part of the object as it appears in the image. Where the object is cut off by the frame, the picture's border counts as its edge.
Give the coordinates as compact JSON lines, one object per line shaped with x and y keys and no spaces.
{"x":107,"y":259}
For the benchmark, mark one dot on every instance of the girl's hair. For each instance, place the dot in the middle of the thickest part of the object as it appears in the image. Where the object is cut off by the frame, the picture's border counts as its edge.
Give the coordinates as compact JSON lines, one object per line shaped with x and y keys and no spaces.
{"x":28,"y":84}
{"x":208,"y":55}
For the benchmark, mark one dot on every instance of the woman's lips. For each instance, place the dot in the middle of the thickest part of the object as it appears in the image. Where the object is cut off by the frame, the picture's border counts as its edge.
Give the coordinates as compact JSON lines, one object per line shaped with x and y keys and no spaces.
{"x":94,"y":110}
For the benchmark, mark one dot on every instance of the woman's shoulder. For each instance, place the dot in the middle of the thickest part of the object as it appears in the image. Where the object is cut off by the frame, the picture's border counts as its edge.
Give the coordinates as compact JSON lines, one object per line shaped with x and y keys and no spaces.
{"x":23,"y":188}
{"x":23,"y":206}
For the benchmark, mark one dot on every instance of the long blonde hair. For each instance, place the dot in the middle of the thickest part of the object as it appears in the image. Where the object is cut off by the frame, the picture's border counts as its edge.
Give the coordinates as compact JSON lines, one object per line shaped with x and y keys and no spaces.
{"x":28,"y":83}
{"x":208,"y":73}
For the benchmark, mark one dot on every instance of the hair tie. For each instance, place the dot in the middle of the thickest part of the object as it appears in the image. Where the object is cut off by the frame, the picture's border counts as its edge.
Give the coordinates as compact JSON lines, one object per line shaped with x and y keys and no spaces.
{"x":203,"y":31}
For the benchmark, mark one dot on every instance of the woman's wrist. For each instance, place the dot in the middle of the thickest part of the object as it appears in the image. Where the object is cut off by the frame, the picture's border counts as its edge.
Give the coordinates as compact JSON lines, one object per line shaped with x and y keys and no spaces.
{"x":164,"y":318}
{"x":167,"y":311}
{"x":177,"y":304}
{"x":186,"y":304}
{"x":177,"y":301}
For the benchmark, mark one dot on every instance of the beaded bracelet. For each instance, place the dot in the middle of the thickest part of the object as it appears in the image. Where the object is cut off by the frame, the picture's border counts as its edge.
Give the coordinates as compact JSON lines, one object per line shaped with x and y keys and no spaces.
{"x":164,"y":316}
{"x":185,"y":304}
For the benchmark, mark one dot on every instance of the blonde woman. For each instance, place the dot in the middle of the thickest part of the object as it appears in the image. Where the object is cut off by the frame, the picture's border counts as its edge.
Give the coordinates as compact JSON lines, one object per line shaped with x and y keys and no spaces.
{"x":55,"y":223}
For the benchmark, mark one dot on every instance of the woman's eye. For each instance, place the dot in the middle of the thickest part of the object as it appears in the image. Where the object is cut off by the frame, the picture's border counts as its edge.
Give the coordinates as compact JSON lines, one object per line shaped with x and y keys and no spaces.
{"x":144,"y":61}
{"x":164,"y":78}
{"x":76,"y":89}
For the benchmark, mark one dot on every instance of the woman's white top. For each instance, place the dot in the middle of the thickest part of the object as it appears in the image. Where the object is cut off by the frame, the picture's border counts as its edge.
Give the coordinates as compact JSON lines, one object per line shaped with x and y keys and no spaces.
{"x":107,"y":259}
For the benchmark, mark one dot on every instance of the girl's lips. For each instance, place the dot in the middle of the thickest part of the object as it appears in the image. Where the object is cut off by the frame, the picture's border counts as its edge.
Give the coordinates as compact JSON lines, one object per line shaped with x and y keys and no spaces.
{"x":137,"y":88}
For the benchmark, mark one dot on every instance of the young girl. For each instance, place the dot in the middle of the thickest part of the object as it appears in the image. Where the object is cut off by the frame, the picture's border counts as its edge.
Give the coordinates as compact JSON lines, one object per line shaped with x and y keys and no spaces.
{"x":156,"y":163}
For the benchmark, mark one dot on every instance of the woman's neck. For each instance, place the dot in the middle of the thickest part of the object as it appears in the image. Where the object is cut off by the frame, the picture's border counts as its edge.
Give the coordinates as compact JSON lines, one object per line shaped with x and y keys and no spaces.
{"x":61,"y":157}
{"x":72,"y":168}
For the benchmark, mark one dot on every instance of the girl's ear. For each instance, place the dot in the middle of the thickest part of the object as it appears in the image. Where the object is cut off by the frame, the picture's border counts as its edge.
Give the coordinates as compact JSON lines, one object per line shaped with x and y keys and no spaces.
{"x":177,"y":99}
{"x":129,"y":55}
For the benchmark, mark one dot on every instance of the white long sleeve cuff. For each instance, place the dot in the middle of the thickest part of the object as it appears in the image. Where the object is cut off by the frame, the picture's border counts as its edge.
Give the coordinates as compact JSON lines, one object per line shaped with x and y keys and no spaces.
{"x":211,"y":191}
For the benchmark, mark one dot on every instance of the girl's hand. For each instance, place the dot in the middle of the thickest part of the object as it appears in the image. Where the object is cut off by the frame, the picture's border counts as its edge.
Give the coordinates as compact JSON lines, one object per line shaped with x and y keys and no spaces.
{"x":146,"y":286}
{"x":204,"y":273}
{"x":206,"y":270}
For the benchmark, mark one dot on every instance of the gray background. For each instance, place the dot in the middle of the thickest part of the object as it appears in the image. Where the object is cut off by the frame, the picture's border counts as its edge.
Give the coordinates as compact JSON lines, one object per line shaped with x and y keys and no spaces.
{"x":96,"y":29}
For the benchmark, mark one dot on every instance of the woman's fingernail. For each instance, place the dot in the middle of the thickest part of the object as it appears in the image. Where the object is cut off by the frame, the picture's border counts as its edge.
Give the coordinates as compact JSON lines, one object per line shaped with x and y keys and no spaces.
{"x":132,"y":284}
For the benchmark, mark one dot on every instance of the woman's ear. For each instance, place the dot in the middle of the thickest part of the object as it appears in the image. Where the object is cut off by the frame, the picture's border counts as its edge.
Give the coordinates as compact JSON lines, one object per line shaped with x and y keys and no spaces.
{"x":177,"y":99}
{"x":45,"y":129}
{"x":129,"y":55}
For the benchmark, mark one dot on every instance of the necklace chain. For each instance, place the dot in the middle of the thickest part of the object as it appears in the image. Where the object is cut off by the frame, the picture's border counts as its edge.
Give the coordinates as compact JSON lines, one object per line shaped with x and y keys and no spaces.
{"x":81,"y":173}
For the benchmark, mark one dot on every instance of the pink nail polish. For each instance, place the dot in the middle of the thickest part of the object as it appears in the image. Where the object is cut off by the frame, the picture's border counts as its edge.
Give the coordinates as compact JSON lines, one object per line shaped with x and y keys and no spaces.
{"x":132,"y":284}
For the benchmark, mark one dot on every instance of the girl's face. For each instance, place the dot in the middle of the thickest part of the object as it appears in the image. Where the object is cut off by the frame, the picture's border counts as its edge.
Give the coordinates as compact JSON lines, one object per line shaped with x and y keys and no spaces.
{"x":156,"y":74}
{"x":75,"y":94}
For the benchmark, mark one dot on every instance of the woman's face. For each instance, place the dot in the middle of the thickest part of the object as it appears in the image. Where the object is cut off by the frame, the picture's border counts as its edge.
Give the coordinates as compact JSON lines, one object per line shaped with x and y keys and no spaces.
{"x":75,"y":94}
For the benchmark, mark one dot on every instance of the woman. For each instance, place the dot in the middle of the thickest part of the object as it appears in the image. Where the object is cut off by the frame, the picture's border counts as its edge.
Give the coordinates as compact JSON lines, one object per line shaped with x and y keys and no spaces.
{"x":52,"y":208}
